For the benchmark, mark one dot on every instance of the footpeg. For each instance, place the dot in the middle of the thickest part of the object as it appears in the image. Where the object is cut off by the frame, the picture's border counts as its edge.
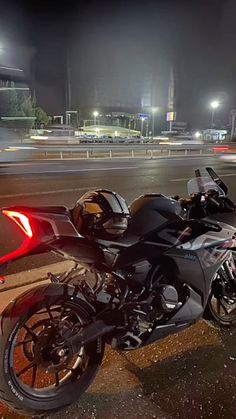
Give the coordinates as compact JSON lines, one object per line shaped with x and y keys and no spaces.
{"x":53,"y":278}
{"x":129,"y":341}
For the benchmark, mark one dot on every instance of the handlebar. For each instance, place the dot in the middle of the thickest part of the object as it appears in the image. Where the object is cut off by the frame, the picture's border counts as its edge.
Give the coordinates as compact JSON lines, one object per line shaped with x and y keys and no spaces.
{"x":203,"y":204}
{"x":214,"y":201}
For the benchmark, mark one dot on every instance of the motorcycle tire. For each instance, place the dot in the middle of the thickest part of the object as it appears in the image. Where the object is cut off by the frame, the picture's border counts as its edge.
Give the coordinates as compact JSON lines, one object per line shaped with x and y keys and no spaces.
{"x":20,"y":396}
{"x":217,"y":312}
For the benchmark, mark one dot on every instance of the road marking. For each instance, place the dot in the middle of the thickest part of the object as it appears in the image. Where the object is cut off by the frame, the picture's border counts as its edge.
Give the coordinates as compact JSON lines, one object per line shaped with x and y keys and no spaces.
{"x":184,"y":157}
{"x":18,"y":195}
{"x":183,"y":179}
{"x":47,"y":172}
{"x":23,"y":148}
{"x":35,"y":163}
{"x":187,"y":178}
{"x":101,"y":169}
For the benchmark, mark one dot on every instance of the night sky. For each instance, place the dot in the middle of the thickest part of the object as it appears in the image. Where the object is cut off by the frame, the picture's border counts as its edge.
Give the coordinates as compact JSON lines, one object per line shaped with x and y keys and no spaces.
{"x":122,"y":41}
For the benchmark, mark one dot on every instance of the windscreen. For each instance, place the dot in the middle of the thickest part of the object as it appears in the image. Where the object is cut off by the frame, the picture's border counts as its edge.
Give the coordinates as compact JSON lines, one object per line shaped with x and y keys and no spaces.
{"x":203,"y":185}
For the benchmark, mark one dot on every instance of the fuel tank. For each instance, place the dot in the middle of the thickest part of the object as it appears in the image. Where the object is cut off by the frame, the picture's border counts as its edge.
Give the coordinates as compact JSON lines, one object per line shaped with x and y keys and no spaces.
{"x":150,"y":211}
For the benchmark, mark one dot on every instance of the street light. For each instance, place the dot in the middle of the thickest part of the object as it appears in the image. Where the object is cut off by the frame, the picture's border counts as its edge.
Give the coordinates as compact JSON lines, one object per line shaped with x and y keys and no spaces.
{"x":197,"y":135}
{"x":95,"y":114}
{"x":154,"y":110}
{"x":214,"y":105}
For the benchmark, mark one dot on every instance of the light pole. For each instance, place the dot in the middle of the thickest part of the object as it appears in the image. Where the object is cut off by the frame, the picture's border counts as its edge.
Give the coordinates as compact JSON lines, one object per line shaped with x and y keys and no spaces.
{"x":147,"y":127}
{"x":68,"y":117}
{"x":233,"y":116}
{"x":154,"y":110}
{"x":142,"y":119}
{"x":214,"y":105}
{"x":95,"y":114}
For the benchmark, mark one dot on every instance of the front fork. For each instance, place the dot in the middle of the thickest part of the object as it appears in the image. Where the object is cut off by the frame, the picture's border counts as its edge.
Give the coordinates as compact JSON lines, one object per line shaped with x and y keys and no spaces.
{"x":228,"y":275}
{"x":230,"y":268}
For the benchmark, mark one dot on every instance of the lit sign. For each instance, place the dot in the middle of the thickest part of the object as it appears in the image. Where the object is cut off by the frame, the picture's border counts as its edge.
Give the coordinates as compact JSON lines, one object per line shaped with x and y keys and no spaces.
{"x":170,"y":116}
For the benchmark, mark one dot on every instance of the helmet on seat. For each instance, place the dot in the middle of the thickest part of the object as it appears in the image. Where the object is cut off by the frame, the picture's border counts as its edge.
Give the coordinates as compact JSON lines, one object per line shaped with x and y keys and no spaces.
{"x":101,"y":213}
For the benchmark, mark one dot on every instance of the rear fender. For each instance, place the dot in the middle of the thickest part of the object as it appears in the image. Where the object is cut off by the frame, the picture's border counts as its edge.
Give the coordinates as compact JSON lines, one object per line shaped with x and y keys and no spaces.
{"x":32,"y":299}
{"x":79,"y":249}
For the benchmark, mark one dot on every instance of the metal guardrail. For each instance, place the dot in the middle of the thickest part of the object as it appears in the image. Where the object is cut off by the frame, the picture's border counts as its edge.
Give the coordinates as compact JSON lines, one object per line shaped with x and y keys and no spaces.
{"x":129,"y":151}
{"x":137,"y":146}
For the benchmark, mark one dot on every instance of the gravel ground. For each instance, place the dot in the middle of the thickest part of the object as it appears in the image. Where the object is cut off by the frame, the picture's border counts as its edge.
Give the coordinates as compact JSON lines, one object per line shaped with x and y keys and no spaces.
{"x":190,"y":375}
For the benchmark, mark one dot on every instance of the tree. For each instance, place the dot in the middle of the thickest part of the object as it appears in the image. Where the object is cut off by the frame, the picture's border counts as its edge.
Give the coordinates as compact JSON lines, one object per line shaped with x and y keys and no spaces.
{"x":42,"y":119}
{"x":15,"y":103}
{"x":26,"y":106}
{"x":9,"y":104}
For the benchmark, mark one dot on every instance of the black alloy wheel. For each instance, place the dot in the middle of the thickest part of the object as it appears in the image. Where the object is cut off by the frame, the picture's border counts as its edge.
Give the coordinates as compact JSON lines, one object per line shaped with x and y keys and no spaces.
{"x":38,"y":371}
{"x":221,"y":306}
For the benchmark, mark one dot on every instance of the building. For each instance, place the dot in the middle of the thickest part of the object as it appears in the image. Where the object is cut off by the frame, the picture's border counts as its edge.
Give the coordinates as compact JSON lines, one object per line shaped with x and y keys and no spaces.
{"x":14,"y":91}
{"x":138,"y":122}
{"x":214,"y":135}
{"x":12,"y":78}
{"x":109,"y":131}
{"x":122,"y":91}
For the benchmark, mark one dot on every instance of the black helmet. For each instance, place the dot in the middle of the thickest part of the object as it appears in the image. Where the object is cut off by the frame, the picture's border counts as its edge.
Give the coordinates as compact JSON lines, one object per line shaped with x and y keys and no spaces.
{"x":101,"y":213}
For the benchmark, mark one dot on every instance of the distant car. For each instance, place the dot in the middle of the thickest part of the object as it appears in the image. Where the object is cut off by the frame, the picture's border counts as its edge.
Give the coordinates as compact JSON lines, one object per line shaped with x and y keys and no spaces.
{"x":226,"y":152}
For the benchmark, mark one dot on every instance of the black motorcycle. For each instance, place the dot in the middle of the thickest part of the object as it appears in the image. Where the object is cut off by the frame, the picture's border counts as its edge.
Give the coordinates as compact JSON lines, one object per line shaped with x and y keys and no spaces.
{"x":208,"y":200}
{"x":153,"y":274}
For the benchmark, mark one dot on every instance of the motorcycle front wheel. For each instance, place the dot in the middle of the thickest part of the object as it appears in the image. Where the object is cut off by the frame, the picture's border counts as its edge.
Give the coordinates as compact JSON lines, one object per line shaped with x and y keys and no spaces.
{"x":38,"y":372}
{"x":221,"y":307}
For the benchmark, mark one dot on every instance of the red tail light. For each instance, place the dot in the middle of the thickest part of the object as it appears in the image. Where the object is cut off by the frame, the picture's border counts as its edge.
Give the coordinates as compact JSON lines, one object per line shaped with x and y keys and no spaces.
{"x":21,"y":220}
{"x":220,"y":149}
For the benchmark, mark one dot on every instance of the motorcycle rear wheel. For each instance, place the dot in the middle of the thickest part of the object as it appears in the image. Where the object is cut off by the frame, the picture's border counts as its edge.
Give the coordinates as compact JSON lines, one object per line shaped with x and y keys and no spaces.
{"x":33,"y":379}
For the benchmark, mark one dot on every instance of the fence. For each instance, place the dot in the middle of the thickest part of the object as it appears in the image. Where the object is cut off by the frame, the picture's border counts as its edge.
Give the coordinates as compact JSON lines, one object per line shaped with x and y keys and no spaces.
{"x":91,"y":152}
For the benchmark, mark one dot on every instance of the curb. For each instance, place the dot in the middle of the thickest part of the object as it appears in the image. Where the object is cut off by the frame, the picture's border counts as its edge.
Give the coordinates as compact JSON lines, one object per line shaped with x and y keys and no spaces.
{"x":33,"y":276}
{"x":121,"y":157}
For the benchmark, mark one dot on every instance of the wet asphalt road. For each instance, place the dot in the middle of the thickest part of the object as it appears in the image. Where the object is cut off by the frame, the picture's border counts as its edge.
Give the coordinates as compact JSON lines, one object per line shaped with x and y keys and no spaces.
{"x":191,"y":375}
{"x":62,"y":182}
